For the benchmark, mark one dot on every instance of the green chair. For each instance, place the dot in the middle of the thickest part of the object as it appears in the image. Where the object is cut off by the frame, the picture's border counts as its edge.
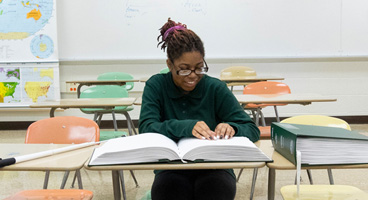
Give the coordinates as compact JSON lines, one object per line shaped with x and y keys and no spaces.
{"x":147,"y":196}
{"x":118,"y":76}
{"x":108,"y":91}
{"x":164,"y":70}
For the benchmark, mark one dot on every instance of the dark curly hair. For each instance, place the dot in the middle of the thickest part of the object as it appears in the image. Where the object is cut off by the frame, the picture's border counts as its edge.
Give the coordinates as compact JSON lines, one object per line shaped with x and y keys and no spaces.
{"x":178,"y":40}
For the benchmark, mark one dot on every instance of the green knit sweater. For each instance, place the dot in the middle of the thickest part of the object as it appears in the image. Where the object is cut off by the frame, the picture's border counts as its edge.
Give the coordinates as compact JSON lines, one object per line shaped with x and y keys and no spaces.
{"x":168,"y":111}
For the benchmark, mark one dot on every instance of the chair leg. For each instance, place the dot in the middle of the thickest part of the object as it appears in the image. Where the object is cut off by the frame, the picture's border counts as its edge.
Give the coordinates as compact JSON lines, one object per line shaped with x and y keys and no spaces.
{"x":277,"y":114}
{"x":95,"y":117}
{"x":330,"y":177}
{"x":254,"y":116}
{"x":121,"y":176}
{"x":255,"y":172}
{"x":240,"y":172}
{"x":257,"y":116}
{"x":46,"y":181}
{"x":114,"y":121}
{"x":262,"y":118}
{"x":74,"y":178}
{"x":130,"y":123}
{"x":310,"y":176}
{"x":65,"y":178}
{"x":135,"y":180}
{"x":79,"y":178}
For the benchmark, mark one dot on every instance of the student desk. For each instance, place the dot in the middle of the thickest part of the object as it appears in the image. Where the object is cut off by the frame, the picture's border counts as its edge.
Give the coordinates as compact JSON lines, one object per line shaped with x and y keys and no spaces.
{"x":281,"y":163}
{"x":107,"y":103}
{"x":66,"y":161}
{"x":99,"y":82}
{"x":236,"y":81}
{"x":167,"y":166}
{"x":138,"y":101}
{"x":303,"y":99}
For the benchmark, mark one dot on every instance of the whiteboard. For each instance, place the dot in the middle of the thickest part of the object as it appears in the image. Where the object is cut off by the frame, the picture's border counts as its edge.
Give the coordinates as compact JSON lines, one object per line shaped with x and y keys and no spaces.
{"x":128,"y":29}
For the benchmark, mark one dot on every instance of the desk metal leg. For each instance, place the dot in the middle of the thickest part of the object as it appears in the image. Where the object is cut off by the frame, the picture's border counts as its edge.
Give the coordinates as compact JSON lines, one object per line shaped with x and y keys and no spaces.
{"x":271,"y":183}
{"x":52,"y":112}
{"x":121,"y":175}
{"x":116,"y":184}
{"x":79,"y":90}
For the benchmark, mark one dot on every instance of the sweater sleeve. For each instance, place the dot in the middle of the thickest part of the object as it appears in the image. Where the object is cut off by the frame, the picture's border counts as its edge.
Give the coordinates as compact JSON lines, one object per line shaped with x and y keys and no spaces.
{"x":230,"y":111}
{"x":151,"y":119}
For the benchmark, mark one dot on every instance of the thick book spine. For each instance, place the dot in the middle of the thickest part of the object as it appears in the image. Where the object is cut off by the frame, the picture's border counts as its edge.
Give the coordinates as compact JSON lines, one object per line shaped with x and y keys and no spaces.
{"x":284,"y":142}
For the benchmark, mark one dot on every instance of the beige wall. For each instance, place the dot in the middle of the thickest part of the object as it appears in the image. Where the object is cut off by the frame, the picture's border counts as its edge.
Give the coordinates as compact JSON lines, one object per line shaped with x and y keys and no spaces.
{"x":345,"y":79}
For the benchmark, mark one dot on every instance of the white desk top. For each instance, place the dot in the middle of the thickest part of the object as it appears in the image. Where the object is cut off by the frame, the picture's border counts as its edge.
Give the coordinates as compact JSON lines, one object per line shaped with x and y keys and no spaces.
{"x":85,"y":103}
{"x":71,"y":160}
{"x":283,"y":99}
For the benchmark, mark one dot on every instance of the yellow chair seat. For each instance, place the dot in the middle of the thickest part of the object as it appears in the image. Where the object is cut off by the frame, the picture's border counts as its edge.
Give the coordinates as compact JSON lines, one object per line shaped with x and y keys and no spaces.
{"x":323,"y":192}
{"x":318,"y":120}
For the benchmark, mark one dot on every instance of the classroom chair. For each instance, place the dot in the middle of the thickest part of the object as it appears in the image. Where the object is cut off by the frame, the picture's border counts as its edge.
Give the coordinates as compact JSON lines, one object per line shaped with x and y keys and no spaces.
{"x":318,"y":120}
{"x":164,"y":70}
{"x":265,"y":87}
{"x":65,"y":194}
{"x":322,"y":192}
{"x":237,"y":72}
{"x":108,"y":91}
{"x":118,"y":76}
{"x":63,"y":130}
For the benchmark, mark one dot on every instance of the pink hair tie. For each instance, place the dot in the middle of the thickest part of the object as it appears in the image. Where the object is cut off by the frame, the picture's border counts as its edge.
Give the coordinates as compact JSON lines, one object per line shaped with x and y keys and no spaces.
{"x":168,"y":31}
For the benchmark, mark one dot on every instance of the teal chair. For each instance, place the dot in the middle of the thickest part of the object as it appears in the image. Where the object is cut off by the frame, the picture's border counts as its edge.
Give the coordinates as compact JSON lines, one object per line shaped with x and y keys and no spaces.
{"x":108,"y":91}
{"x":147,"y":196}
{"x":164,"y":70}
{"x":117,"y":76}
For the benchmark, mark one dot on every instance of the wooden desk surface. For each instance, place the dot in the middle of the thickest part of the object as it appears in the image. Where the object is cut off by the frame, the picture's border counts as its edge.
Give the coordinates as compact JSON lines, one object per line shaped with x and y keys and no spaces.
{"x":283,"y":99}
{"x":101,"y":82}
{"x":138,"y":101}
{"x":85,"y":103}
{"x":71,"y":160}
{"x":250,"y":78}
{"x":172,"y":166}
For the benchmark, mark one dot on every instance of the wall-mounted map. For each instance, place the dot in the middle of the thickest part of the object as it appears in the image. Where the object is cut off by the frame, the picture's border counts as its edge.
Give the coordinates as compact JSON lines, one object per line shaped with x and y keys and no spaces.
{"x":28,"y":31}
{"x":29,"y":83}
{"x":29,"y":68}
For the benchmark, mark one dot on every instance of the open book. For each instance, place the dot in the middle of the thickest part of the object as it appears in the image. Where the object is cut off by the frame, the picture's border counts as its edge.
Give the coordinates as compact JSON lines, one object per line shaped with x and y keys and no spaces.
{"x":154,"y":147}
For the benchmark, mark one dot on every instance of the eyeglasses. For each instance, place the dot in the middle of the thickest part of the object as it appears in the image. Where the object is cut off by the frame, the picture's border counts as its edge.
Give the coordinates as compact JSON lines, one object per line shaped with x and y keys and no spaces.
{"x":198,"y":71}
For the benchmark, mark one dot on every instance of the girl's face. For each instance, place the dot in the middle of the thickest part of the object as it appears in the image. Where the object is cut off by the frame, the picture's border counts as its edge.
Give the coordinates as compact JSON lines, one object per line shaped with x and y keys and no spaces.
{"x":188,"y":61}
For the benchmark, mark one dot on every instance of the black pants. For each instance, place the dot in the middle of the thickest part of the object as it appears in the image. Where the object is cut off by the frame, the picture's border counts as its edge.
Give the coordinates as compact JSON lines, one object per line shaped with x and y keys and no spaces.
{"x":194,"y":184}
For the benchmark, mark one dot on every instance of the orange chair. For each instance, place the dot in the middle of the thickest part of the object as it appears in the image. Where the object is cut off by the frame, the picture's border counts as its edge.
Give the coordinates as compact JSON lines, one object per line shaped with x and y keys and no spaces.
{"x":237,"y":72}
{"x":67,"y":194}
{"x":63,"y":130}
{"x":265,"y":87}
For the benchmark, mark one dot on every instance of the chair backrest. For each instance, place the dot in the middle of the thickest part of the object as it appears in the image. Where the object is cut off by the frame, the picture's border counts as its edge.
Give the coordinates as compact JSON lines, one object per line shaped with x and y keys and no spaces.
{"x":118,"y":76}
{"x":267,"y":87}
{"x":164,"y":70}
{"x":63,"y":130}
{"x":317,"y":120}
{"x":104,"y":91}
{"x":237,"y":71}
{"x":52,"y":194}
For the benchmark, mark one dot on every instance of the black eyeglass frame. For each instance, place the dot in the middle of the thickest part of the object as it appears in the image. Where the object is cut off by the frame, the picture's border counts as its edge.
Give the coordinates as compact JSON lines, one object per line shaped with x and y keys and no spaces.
{"x":204,"y":70}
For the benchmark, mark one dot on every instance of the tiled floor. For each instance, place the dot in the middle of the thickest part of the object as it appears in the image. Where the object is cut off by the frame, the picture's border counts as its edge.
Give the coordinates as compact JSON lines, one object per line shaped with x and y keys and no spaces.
{"x":101,"y":184}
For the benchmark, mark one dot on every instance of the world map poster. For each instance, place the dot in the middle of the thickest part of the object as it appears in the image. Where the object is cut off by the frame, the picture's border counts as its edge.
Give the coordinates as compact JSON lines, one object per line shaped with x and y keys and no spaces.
{"x":29,"y":83}
{"x":28,"y":31}
{"x":29,"y":68}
